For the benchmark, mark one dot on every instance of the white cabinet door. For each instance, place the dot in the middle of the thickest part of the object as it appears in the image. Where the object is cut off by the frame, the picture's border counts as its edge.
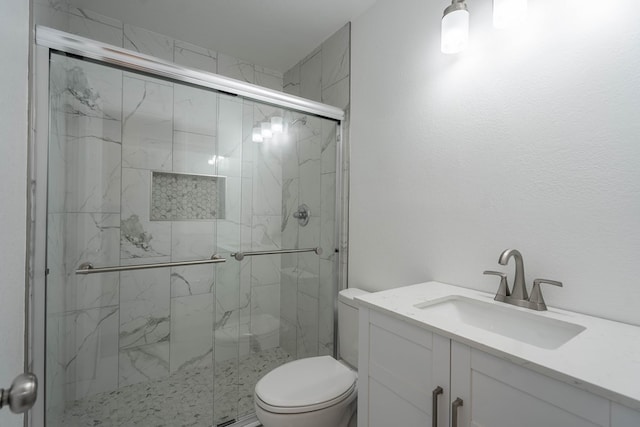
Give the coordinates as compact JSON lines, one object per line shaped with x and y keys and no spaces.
{"x":498,"y":393}
{"x":621,"y":416}
{"x":400,"y":365}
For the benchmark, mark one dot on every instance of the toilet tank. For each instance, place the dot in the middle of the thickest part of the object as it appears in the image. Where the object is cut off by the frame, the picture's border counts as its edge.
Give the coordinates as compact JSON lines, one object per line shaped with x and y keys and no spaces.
{"x":348,"y":325}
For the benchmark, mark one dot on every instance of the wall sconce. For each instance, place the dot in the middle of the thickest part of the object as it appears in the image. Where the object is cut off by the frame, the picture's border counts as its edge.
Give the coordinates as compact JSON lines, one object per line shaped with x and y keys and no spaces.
{"x":455,"y":22}
{"x":455,"y":27}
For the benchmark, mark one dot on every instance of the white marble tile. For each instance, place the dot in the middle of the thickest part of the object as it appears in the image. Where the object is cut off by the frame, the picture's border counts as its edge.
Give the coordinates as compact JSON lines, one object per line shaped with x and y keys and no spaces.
{"x":291,"y":81}
{"x":337,"y":94}
{"x":233,"y":199}
{"x":230,"y":134}
{"x":194,"y":153}
{"x":288,"y":337}
{"x":328,"y":151}
{"x":267,"y":179}
{"x":266,"y":233}
{"x":143,"y":364}
{"x":140,"y":237}
{"x":269,"y":71}
{"x":90,"y":238}
{"x":308,"y":271}
{"x":311,"y":78}
{"x":91,"y":341}
{"x":54,"y":392}
{"x":290,"y":163}
{"x":228,"y":235}
{"x":95,"y":26}
{"x":307,"y":326}
{"x":90,"y":96}
{"x":245,"y":289}
{"x":336,"y":57}
{"x":234,"y":68}
{"x":309,"y":192}
{"x":51,"y":13}
{"x":93,"y":175}
{"x":193,"y":56}
{"x":192,"y":280}
{"x":196,"y":110}
{"x":265,"y":270}
{"x":327,"y":215}
{"x":290,"y":203}
{"x":191,"y":331}
{"x":147,"y":133}
{"x":246,"y":214}
{"x":229,"y":341}
{"x":144,"y":307}
{"x":192,"y":240}
{"x":228,"y":297}
{"x":57,"y":161}
{"x":289,"y":292}
{"x":326,"y":298}
{"x":148,"y":42}
{"x":269,"y":81}
{"x":265,"y":300}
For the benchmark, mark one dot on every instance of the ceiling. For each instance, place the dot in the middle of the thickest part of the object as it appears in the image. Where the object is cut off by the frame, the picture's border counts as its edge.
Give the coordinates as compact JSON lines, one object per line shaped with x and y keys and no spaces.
{"x":272,"y":33}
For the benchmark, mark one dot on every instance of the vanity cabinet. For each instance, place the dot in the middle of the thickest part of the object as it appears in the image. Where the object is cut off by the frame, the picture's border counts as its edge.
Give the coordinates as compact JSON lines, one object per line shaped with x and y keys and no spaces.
{"x":401,"y":364}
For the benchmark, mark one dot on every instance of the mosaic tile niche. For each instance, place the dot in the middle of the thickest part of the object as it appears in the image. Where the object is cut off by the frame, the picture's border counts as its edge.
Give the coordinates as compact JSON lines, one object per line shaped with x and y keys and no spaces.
{"x":184,"y":197}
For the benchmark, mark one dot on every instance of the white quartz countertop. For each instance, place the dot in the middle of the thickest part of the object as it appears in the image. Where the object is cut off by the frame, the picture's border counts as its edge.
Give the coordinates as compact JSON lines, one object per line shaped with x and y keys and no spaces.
{"x":603,"y":359}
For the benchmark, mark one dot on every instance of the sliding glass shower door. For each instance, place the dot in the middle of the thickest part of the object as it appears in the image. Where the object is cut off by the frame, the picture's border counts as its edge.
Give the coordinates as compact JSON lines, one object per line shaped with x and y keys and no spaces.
{"x":146,"y":176}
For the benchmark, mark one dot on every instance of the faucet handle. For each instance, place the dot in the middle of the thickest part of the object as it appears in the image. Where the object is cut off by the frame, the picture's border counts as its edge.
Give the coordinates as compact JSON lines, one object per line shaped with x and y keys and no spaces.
{"x":536,"y":301}
{"x":503,"y":289}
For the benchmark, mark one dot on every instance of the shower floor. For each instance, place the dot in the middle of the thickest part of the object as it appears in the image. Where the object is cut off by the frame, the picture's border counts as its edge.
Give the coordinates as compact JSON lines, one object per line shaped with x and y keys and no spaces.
{"x":190,"y":397}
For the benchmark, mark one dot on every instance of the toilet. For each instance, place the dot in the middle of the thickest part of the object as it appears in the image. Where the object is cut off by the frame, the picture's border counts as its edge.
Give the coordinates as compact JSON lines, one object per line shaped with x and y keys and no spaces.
{"x":315,"y":391}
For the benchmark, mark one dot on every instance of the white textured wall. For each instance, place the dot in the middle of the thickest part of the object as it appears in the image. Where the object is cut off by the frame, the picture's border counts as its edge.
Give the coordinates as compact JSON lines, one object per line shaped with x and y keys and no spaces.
{"x":531,"y":140}
{"x":14,"y":31}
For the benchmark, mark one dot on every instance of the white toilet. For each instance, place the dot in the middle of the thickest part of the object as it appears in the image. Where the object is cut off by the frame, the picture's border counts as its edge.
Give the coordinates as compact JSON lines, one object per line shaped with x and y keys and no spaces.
{"x":316,"y":391}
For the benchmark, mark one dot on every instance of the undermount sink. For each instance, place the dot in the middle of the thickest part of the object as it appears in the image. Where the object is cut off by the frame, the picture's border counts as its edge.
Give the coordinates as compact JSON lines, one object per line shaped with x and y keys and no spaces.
{"x":529,"y":328}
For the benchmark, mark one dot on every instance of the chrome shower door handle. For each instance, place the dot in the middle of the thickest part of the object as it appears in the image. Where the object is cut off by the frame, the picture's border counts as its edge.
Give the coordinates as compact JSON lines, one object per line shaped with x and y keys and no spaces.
{"x":454,"y":411}
{"x":434,"y":408}
{"x":22,"y":394}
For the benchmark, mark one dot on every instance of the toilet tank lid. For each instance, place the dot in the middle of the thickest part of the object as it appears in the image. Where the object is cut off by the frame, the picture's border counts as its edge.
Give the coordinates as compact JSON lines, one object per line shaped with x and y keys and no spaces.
{"x":346,"y":295}
{"x":305,"y":382}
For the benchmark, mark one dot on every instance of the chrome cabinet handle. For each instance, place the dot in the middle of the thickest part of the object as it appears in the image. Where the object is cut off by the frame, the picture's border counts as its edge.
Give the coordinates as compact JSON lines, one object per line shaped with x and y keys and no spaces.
{"x":21,"y":396}
{"x":454,"y":411}
{"x":434,"y":411}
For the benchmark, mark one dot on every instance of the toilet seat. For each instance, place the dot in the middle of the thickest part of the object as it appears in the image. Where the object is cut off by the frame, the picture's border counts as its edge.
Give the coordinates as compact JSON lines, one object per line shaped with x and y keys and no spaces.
{"x":305,"y":385}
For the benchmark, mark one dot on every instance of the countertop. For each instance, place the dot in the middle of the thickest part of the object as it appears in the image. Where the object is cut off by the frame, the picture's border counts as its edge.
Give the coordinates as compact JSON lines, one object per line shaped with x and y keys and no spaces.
{"x":603,"y":359}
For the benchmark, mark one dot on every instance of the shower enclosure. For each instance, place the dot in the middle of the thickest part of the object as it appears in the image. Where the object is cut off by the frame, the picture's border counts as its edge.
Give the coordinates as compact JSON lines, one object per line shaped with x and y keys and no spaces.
{"x":185,"y":258}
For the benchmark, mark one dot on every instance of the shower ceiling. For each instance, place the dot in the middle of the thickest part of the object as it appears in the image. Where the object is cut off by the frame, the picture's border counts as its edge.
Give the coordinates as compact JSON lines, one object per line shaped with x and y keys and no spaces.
{"x":272,"y":33}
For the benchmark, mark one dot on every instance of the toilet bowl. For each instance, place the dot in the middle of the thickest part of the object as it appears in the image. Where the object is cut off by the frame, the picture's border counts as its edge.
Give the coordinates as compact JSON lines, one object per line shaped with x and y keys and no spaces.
{"x":315,"y":391}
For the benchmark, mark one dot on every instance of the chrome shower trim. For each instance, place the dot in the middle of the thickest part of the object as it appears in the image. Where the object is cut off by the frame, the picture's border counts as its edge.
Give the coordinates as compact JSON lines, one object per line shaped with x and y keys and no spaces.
{"x":70,"y":43}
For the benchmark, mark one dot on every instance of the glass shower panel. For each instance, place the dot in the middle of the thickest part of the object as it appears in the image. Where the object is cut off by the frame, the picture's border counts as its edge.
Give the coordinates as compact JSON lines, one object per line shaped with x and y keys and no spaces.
{"x":150,"y":171}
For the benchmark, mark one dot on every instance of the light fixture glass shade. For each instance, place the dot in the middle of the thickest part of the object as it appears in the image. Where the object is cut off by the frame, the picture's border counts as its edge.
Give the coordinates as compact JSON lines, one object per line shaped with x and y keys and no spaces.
{"x":277,"y":125}
{"x":509,"y":13}
{"x":266,"y":130}
{"x":257,"y":135}
{"x":455,"y":31}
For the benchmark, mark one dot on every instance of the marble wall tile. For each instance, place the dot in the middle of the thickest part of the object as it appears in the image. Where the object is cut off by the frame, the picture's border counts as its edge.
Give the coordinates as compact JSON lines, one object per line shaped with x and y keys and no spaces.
{"x":310,"y":167}
{"x":311,"y":78}
{"x":90,"y":96}
{"x":55,"y":390}
{"x":245,"y":290}
{"x":235,"y":68}
{"x":93,"y":175}
{"x":148,"y":42}
{"x":90,"y":339}
{"x":328,"y":215}
{"x":336,"y":57}
{"x":143,"y":364}
{"x":265,"y":300}
{"x":289,"y":292}
{"x":95,"y":26}
{"x":144,"y":307}
{"x":337,"y":94}
{"x":266,"y":233}
{"x":192,"y":280}
{"x":147,"y":133}
{"x":308,"y":271}
{"x":328,"y":151}
{"x":56,"y":279}
{"x":51,"y":13}
{"x":90,"y":238}
{"x":290,"y":203}
{"x":291,"y":81}
{"x":195,"y":110}
{"x":192,"y":240}
{"x":57,"y":162}
{"x":326,"y":297}
{"x":140,"y":237}
{"x":228,"y":342}
{"x":193,"y":56}
{"x":307,"y":326}
{"x":194,"y":153}
{"x":229,"y":300}
{"x":267,"y":191}
{"x":191,"y":332}
{"x":288,"y":337}
{"x":228,"y":235}
{"x":269,"y":81}
{"x":230,"y":136}
{"x":265,"y":270}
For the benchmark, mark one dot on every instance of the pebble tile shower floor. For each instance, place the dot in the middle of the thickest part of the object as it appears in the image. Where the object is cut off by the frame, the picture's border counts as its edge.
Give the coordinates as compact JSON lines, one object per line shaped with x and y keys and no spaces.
{"x":189,"y":397}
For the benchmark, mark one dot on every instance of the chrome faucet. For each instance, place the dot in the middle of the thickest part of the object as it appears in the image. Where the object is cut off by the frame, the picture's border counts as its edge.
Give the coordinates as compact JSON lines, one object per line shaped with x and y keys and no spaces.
{"x":519,"y":290}
{"x":518,"y":295}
